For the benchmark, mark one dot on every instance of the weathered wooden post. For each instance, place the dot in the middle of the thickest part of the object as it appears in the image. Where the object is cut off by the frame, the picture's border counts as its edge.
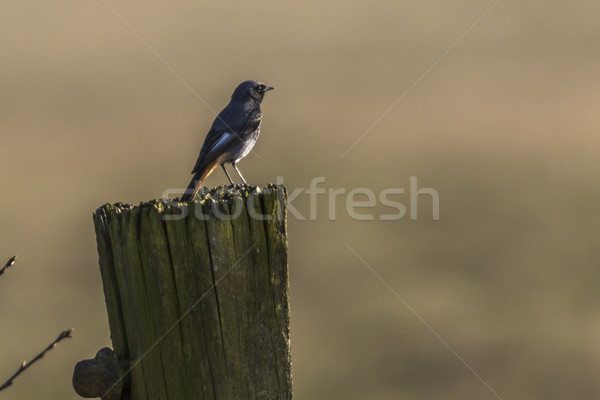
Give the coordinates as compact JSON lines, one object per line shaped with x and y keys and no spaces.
{"x":197,"y":298}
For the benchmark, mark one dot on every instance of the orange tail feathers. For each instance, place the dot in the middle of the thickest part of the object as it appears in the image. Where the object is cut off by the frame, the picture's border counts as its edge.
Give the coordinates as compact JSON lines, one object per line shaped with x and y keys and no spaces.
{"x":196,"y":182}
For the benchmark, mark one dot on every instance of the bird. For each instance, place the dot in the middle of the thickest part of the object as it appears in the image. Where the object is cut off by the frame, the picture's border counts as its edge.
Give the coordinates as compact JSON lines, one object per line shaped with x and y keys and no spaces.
{"x":232,"y":135}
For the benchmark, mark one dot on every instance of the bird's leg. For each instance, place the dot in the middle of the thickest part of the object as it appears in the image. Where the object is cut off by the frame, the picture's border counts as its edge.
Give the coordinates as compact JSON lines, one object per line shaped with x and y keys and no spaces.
{"x":226,"y":173}
{"x":238,"y":171}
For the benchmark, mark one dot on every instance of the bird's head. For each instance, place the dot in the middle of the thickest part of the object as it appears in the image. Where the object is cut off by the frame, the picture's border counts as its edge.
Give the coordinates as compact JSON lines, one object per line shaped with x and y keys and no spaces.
{"x":250,"y":90}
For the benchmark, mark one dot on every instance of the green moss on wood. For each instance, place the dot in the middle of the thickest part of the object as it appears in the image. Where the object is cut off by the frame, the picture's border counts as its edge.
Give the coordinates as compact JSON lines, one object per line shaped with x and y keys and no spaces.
{"x":200,"y":304}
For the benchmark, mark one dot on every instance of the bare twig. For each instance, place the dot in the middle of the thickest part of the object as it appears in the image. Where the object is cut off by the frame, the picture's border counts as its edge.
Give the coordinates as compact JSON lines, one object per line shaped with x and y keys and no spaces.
{"x":9,"y":263}
{"x":25,"y":365}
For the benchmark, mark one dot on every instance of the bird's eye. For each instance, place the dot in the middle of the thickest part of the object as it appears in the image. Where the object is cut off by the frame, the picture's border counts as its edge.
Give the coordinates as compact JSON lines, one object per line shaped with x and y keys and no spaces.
{"x":260,"y":88}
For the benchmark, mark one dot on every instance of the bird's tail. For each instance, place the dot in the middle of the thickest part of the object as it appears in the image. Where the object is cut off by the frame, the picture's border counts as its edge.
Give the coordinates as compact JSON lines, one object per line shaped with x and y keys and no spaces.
{"x":199,"y":176}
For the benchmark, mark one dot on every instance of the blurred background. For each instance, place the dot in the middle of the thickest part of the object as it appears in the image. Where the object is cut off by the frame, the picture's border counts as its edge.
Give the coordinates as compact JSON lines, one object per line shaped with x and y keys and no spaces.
{"x":96,"y":106}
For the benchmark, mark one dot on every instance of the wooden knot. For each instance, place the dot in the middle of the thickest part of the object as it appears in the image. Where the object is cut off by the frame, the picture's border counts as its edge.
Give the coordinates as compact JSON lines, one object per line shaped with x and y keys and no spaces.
{"x":101,"y":376}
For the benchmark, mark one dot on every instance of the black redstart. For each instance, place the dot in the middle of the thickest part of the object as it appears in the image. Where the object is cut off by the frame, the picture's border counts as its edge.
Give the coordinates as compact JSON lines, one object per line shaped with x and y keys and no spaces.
{"x":232,"y":135}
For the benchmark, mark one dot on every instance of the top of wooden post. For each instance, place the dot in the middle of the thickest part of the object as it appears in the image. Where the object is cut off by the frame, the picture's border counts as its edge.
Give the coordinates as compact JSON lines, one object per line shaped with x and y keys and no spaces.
{"x":208,"y":196}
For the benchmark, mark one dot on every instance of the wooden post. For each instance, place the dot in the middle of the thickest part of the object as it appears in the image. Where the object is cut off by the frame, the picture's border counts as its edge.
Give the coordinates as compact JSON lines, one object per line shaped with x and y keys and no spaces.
{"x":197,"y":295}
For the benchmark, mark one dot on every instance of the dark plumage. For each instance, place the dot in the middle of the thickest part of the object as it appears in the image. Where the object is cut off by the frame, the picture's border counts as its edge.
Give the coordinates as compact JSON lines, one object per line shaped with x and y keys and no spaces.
{"x":232,"y":135}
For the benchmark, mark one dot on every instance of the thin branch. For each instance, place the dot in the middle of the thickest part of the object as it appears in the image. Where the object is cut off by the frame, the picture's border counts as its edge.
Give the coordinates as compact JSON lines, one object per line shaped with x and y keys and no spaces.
{"x":9,"y":263}
{"x":25,"y":365}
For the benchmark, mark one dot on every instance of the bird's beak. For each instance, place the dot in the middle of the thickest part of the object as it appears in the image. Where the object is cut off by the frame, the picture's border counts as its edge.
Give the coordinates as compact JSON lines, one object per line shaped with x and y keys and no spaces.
{"x":269,"y":88}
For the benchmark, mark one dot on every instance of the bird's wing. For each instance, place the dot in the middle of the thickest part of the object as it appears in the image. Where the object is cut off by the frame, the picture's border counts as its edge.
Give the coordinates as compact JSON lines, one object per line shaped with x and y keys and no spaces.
{"x":230,"y":127}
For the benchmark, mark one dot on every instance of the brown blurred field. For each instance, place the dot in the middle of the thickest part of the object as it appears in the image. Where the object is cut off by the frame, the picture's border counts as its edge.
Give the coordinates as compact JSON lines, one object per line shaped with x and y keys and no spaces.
{"x":505,"y":128}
